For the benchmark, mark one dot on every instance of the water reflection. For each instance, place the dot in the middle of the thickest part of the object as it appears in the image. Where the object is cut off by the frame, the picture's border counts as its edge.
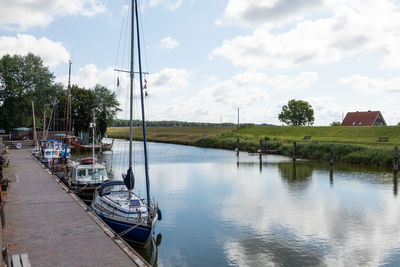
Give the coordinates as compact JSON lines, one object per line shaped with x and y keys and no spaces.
{"x":150,"y":251}
{"x":222,"y":210}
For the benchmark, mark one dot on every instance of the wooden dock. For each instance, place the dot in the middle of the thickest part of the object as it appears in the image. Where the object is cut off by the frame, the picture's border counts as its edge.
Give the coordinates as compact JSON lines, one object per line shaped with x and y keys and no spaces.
{"x":53,"y":227}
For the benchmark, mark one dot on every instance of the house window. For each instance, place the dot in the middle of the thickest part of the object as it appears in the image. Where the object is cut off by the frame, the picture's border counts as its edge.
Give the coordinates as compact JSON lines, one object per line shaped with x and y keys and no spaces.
{"x":360,"y":123}
{"x":354,"y":123}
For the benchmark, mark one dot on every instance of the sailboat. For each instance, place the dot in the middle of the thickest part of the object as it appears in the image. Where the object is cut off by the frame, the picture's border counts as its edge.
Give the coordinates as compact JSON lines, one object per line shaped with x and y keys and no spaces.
{"x":131,"y":217}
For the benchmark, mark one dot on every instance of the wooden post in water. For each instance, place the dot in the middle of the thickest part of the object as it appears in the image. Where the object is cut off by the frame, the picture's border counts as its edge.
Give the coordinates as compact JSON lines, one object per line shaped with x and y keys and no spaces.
{"x":237,"y":147}
{"x":396,"y":159}
{"x":395,"y":189}
{"x":294,"y":151}
{"x":332,"y":149}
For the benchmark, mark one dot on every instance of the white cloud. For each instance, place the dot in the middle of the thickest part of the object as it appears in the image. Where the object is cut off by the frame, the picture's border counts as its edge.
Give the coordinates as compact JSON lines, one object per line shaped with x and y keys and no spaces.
{"x":372,"y":85}
{"x":169,"y":43}
{"x":167,"y":4}
{"x":167,"y":80}
{"x":248,"y":90}
{"x":262,"y":12}
{"x":302,"y":80}
{"x":89,"y":75}
{"x":24,"y":14}
{"x":351,"y":27}
{"x":52,"y":53}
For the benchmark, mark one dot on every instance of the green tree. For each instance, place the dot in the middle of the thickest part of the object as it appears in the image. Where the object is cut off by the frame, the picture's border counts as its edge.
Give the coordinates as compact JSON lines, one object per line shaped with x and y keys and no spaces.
{"x":335,"y":123}
{"x":297,"y":113}
{"x":24,"y":79}
{"x":106,"y":107}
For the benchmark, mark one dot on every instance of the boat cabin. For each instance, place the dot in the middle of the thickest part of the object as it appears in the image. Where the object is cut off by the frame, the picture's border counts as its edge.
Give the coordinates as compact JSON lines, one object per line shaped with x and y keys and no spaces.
{"x":88,"y":173}
{"x":51,"y":149}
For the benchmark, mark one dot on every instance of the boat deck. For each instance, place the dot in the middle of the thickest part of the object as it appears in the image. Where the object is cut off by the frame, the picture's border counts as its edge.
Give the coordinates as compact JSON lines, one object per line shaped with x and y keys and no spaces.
{"x":52,"y":226}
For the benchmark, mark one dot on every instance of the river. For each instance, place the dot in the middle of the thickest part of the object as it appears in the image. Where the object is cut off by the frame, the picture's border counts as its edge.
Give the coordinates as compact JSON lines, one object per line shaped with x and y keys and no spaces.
{"x":220,"y":210}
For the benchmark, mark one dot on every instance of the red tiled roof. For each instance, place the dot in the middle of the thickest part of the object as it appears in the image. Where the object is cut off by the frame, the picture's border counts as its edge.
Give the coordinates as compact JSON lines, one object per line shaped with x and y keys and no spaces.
{"x":360,"y":118}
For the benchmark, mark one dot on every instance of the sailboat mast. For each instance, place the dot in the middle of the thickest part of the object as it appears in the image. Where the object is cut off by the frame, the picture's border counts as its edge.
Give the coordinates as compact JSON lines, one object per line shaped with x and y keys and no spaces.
{"x":131,"y":88}
{"x":44,"y":123}
{"x":34,"y":127}
{"x":93,"y":126}
{"x":146,"y":166}
{"x":68,"y":103}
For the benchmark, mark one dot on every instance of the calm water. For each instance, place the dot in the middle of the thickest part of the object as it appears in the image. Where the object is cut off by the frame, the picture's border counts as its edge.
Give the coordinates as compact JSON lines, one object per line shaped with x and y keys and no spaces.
{"x":220,"y":211}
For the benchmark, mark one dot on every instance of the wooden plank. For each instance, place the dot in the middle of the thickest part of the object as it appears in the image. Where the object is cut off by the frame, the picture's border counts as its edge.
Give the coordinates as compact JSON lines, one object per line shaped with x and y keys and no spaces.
{"x":16,"y":261}
{"x":25,"y":260}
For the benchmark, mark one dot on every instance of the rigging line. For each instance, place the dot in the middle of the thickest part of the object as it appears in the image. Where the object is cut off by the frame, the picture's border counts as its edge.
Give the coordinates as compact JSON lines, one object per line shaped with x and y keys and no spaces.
{"x":120,"y":36}
{"x":124,"y":59}
{"x":143,"y":39}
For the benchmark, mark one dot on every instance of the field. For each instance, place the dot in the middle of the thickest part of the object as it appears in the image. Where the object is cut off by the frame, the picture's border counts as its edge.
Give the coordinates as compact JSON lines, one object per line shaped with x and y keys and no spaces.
{"x":178,"y":135}
{"x":368,"y":135}
{"x":352,"y":144}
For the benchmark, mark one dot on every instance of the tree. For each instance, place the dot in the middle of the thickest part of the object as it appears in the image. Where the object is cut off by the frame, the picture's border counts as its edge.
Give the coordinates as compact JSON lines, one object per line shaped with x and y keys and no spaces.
{"x":297,"y":113}
{"x":335,"y":123}
{"x":23,"y":79}
{"x":106,"y":107}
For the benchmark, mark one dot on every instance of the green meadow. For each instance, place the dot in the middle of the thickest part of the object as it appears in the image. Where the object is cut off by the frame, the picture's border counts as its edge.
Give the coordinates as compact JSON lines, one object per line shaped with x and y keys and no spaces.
{"x":359,"y":145}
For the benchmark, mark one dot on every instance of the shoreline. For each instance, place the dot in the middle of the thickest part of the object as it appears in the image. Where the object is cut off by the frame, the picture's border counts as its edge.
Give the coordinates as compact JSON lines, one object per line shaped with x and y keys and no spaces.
{"x":344,"y":152}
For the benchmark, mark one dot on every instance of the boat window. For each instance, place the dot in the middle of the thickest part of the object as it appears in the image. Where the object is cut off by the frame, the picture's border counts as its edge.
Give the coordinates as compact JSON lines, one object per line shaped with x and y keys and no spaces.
{"x":80,"y":173}
{"x":97,"y":172}
{"x":48,"y":153}
{"x":135,"y":202}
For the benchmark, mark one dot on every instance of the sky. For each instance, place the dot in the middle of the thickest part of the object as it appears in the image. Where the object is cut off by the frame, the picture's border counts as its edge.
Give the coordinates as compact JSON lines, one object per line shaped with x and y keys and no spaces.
{"x":205,"y":59}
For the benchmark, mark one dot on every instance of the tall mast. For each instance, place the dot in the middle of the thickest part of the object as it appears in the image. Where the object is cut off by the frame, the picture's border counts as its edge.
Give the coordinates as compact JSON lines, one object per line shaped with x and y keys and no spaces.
{"x":93,"y":125}
{"x":34,"y":127}
{"x":146,"y":166}
{"x":44,"y":124}
{"x":68,"y":103}
{"x":131,"y":88}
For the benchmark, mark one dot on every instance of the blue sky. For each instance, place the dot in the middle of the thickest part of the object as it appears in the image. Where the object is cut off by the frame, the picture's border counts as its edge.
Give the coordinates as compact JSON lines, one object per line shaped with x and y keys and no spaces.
{"x":206,"y":58}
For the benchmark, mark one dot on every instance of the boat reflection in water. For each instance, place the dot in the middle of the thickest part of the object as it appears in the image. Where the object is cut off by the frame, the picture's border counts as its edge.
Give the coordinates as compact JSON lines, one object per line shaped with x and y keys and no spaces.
{"x":150,"y":251}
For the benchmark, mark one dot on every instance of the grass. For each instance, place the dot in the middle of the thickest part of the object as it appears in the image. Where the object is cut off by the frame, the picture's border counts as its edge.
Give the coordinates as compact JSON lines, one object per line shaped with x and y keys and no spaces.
{"x":359,"y":135}
{"x":352,"y":144}
{"x":177,"y":135}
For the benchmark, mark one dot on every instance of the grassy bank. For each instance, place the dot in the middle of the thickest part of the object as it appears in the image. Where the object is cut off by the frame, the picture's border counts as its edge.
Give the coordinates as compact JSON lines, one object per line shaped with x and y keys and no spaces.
{"x":352,"y":144}
{"x":176,"y":135}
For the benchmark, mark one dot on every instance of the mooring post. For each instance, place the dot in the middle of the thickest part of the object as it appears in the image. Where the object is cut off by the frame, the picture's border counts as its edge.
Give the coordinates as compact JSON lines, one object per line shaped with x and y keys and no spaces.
{"x":395,"y":184}
{"x":396,"y":159}
{"x":294,"y":151}
{"x":237,"y":147}
{"x":332,"y":149}
{"x":261,"y":146}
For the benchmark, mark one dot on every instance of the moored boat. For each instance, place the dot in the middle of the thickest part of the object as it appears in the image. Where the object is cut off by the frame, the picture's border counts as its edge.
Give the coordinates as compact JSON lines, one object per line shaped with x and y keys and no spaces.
{"x":117,"y":203}
{"x":84,"y":176}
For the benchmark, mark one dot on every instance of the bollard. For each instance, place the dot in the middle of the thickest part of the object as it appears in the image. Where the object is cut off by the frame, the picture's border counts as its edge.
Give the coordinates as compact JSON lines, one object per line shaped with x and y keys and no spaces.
{"x":331,"y":148}
{"x":294,"y":151}
{"x":396,"y":159}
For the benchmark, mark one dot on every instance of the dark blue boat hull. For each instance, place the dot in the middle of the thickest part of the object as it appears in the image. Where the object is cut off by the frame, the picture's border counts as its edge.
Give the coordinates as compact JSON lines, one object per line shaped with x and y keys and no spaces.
{"x":139,"y":234}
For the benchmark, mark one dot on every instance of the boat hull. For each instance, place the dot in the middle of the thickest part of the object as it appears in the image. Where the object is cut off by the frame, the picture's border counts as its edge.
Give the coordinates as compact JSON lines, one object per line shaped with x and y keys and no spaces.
{"x":140,"y":234}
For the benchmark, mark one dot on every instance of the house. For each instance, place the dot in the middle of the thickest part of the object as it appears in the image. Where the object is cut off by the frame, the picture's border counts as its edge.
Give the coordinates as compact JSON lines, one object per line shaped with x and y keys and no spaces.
{"x":363,"y":118}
